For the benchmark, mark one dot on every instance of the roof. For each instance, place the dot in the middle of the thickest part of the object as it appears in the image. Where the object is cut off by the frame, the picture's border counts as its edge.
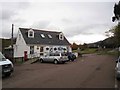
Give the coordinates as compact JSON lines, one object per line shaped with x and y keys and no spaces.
{"x":43,"y":41}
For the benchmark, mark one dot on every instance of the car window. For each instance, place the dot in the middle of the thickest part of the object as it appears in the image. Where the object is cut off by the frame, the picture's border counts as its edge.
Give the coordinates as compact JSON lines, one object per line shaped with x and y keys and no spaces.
{"x":54,"y":54}
{"x":51,"y":54}
{"x":57,"y":54}
{"x":2,"y":58}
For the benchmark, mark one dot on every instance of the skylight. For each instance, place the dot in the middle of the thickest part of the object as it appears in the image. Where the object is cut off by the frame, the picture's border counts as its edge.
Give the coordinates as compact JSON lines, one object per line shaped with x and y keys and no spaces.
{"x":49,"y":36}
{"x":42,"y":35}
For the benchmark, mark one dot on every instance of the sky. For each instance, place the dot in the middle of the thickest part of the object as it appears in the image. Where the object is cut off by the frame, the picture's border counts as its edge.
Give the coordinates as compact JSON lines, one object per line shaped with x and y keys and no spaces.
{"x":80,"y":21}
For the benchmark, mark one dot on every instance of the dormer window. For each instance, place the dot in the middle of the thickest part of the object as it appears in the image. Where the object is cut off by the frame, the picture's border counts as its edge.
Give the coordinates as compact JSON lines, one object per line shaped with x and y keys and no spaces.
{"x":61,"y":36}
{"x":31,"y":33}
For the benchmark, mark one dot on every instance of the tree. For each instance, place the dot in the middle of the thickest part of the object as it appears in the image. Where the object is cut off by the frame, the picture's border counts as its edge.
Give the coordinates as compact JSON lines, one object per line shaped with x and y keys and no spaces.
{"x":116,"y":12}
{"x":113,"y":37}
{"x":117,"y":28}
{"x":117,"y":35}
{"x":74,"y":46}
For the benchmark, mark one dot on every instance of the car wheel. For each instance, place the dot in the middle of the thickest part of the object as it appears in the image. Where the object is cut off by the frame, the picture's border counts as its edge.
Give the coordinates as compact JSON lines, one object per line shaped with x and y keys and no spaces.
{"x":55,"y":62}
{"x":7,"y":74}
{"x":63,"y":62}
{"x":118,"y":78}
{"x":41,"y":60}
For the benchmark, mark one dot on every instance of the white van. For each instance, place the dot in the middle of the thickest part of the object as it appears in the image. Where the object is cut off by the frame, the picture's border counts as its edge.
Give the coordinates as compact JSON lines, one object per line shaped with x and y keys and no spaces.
{"x":6,"y":66}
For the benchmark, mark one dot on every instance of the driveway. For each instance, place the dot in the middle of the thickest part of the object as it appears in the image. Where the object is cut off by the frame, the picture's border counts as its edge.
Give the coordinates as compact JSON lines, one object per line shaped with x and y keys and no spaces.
{"x":89,"y":71}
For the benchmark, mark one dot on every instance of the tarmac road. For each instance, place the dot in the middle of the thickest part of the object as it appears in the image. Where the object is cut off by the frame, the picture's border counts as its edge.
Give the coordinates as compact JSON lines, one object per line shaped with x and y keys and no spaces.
{"x":89,"y":71}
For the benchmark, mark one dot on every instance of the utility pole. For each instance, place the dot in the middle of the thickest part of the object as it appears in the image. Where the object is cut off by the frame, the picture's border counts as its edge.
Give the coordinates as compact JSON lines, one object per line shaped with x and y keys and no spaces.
{"x":12,"y":52}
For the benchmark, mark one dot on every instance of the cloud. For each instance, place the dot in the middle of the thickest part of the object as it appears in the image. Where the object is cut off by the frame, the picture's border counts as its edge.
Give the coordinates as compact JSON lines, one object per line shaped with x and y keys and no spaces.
{"x":86,"y":29}
{"x":81,"y":39}
{"x":61,"y":0}
{"x":10,"y":9}
{"x":66,"y":20}
{"x":40,"y":24}
{"x":72,"y":18}
{"x":9,"y":15}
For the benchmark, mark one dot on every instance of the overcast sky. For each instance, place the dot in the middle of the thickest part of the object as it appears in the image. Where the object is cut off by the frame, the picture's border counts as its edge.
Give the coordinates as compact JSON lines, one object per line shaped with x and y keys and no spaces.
{"x":81,"y":22}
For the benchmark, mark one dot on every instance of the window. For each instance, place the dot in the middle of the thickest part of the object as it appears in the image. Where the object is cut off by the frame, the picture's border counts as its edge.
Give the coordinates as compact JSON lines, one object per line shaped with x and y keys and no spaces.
{"x":2,"y":58}
{"x":37,"y":47}
{"x":55,"y":49}
{"x":41,"y":49}
{"x":57,"y":54}
{"x":31,"y":33}
{"x":42,"y":35}
{"x":61,"y":36}
{"x":59,"y":48}
{"x":63,"y":54}
{"x":51,"y":49}
{"x":31,"y":49}
{"x":49,"y":36}
{"x":51,"y":54}
{"x":41,"y":54}
{"x":47,"y":49}
{"x":54,"y":54}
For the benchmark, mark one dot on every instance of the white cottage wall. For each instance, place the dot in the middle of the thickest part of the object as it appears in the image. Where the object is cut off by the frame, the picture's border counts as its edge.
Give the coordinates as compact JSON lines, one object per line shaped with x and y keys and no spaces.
{"x":20,"y":46}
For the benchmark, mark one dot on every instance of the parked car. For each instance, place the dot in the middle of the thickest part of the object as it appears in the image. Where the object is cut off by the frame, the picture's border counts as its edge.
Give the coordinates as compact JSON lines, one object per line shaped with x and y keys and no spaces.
{"x":54,"y":57}
{"x":71,"y":56}
{"x":117,"y":68}
{"x":6,"y":66}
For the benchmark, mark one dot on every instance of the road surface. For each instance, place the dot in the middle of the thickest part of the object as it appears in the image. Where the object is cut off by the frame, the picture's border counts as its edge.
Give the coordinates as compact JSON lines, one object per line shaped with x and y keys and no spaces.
{"x":89,"y":71}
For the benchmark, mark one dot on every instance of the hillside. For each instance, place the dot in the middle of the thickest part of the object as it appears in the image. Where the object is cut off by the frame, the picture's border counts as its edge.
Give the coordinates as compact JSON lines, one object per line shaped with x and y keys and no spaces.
{"x":108,"y":43}
{"x":5,"y":43}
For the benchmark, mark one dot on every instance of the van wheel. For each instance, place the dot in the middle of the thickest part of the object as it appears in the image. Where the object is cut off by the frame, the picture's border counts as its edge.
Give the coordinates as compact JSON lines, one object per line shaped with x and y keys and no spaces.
{"x":118,"y":78}
{"x":55,"y":62}
{"x":41,"y":60}
{"x":7,"y":75}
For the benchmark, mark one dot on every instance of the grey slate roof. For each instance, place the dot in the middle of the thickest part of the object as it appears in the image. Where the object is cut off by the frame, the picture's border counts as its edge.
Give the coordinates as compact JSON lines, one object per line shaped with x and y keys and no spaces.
{"x":43,"y":41}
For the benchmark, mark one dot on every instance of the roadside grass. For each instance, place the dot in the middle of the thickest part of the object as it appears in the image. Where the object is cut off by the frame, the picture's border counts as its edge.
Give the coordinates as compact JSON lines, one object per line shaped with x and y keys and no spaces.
{"x":108,"y":52}
{"x":28,"y":61}
{"x":112,"y":52}
{"x":19,"y":62}
{"x":89,"y":51}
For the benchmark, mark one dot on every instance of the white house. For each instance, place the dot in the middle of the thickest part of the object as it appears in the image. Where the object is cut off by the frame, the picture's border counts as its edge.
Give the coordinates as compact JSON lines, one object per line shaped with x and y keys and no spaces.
{"x":39,"y":42}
